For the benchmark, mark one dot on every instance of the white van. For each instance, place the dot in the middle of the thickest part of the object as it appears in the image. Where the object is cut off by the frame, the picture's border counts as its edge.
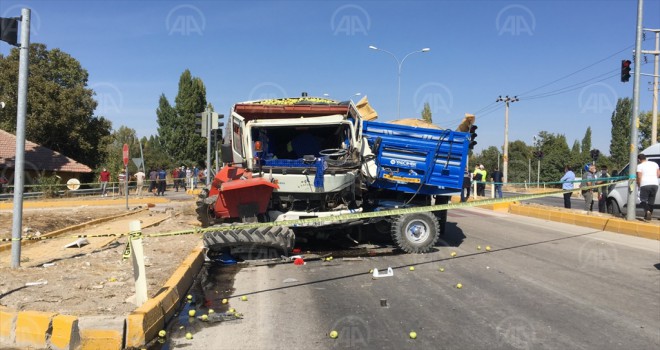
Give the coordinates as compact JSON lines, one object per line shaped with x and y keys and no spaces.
{"x":617,"y":199}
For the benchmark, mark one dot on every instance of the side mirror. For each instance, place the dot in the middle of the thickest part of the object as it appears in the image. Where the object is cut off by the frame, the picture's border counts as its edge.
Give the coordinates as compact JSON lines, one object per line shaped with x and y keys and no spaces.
{"x":227,"y":155}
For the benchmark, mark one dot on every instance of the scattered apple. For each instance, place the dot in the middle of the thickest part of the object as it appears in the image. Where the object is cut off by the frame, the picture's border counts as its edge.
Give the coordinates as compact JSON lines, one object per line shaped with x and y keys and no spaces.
{"x":413,"y":335}
{"x":162,"y":333}
{"x":334,"y":334}
{"x":191,"y":313}
{"x":188,"y":335}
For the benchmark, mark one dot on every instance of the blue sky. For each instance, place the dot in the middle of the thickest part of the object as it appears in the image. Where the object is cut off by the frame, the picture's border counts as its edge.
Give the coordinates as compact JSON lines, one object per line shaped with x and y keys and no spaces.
{"x":242,"y":50}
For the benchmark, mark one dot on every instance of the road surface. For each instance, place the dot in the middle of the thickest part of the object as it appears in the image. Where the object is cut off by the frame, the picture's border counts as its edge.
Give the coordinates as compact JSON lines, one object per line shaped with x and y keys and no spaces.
{"x":543,"y":285}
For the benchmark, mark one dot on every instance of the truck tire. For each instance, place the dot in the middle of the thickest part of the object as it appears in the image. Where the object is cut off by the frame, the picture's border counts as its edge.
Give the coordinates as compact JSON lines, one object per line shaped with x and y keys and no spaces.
{"x":203,"y":209}
{"x":415,"y":233}
{"x":281,"y":238}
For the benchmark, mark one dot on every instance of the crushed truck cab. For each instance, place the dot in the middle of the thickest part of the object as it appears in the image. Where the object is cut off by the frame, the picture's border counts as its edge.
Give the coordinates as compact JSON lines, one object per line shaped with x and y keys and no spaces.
{"x":298,"y":158}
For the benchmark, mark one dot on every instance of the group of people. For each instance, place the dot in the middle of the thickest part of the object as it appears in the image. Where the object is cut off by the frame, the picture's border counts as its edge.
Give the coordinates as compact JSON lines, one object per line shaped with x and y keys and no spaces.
{"x":592,"y":177}
{"x":480,"y":176}
{"x":183,"y":177}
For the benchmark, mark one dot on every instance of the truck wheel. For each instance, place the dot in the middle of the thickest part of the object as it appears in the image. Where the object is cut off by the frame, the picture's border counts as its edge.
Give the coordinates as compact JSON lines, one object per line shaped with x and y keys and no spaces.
{"x":204,"y":210}
{"x":281,"y":238}
{"x":415,"y":233}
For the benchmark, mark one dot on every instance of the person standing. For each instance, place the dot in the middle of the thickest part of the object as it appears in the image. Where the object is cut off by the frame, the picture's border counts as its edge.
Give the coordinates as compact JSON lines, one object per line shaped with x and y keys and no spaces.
{"x":647,"y":180}
{"x":139,"y":182}
{"x":467,"y":183}
{"x":189,"y":177}
{"x":567,"y":185}
{"x":497,"y":178}
{"x":175,"y":178}
{"x":104,"y":178}
{"x":162,"y":181}
{"x":588,"y":193}
{"x":602,"y":191}
{"x":182,"y":178}
{"x":153,"y":178}
{"x":122,"y":182}
{"x":477,"y":178}
{"x":195,"y":176}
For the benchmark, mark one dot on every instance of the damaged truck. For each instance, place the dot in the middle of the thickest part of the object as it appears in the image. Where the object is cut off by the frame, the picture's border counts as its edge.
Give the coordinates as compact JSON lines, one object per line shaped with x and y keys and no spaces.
{"x":299,"y":158}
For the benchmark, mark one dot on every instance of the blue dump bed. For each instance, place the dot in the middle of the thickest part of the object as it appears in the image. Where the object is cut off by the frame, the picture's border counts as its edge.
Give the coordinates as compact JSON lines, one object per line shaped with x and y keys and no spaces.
{"x":417,"y":160}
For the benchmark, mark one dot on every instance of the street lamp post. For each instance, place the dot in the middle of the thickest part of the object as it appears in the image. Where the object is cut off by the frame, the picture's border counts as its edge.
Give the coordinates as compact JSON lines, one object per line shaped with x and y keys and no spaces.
{"x":505,"y":158}
{"x":399,"y":64}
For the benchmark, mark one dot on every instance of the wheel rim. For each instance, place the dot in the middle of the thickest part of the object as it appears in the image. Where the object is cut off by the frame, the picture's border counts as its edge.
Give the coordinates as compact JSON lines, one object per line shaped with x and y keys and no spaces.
{"x":417,"y":231}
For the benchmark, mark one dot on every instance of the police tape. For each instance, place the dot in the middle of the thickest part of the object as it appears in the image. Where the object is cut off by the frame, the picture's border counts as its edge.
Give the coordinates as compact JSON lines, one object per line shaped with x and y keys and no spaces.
{"x":326,"y":220}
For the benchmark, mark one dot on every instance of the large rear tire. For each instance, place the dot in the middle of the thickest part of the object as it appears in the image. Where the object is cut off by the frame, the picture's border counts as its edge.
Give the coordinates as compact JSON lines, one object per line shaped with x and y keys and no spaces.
{"x":280,"y":238}
{"x":613,"y":208}
{"x":204,"y":210}
{"x":415,"y":233}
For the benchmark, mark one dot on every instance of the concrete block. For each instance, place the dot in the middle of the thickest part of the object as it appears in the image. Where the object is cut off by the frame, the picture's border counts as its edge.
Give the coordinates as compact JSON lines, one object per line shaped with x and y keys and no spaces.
{"x":144,"y":323}
{"x":65,"y":334}
{"x":7,"y":325}
{"x":101,"y":339}
{"x":32,"y":327}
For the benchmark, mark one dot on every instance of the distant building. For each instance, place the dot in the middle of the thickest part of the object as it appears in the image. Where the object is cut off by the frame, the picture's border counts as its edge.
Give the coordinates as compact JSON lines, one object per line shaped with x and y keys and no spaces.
{"x":39,"y":161}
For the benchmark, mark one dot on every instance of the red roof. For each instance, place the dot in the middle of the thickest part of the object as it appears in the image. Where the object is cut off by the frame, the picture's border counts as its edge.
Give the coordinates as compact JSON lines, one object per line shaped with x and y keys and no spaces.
{"x":37,"y":157}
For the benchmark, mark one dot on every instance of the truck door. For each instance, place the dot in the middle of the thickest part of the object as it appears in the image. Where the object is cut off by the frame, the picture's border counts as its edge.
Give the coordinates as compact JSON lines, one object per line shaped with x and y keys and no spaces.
{"x":237,"y":130}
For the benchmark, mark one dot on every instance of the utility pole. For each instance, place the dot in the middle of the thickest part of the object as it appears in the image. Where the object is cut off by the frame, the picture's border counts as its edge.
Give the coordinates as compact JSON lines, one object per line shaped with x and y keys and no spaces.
{"x":632,"y":168}
{"x":505,"y":157}
{"x":19,"y":164}
{"x":656,"y":53}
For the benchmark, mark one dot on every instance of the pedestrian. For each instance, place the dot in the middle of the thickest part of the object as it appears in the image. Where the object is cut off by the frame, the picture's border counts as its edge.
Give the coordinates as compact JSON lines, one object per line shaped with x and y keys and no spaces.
{"x":153,"y":177}
{"x":588,"y":193}
{"x":104,"y":178}
{"x":139,"y":178}
{"x":195,"y":176}
{"x":467,"y":183}
{"x":175,"y":177}
{"x":162,"y":181}
{"x":122,"y":181}
{"x":647,"y":180}
{"x":189,"y":177}
{"x":602,"y":190}
{"x":481,"y":182}
{"x":476,"y":178}
{"x":3,"y":183}
{"x":182,"y":178}
{"x":567,"y":185}
{"x":496,"y":177}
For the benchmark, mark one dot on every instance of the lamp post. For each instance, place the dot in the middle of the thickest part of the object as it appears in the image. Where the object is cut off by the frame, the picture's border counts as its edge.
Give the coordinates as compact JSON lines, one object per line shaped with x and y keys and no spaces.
{"x":505,"y":162}
{"x":399,"y":64}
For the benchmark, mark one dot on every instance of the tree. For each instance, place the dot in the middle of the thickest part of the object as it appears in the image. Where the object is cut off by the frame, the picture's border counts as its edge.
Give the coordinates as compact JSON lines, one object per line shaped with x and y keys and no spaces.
{"x":620,"y":141}
{"x":555,"y":154}
{"x":645,"y":125}
{"x":488,"y":158}
{"x":60,"y":106}
{"x":176,"y":125}
{"x":586,"y":145}
{"x":576,"y":156}
{"x":520,"y":156}
{"x":426,"y":113}
{"x":114,"y":149}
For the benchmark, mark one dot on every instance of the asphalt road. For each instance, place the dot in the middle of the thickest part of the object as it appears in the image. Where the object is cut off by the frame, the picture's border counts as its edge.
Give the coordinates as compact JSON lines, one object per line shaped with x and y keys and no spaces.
{"x":543,"y":285}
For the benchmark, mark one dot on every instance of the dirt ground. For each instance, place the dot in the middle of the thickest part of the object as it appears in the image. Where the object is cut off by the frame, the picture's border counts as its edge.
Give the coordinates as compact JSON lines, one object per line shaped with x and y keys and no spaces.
{"x":92,"y":279}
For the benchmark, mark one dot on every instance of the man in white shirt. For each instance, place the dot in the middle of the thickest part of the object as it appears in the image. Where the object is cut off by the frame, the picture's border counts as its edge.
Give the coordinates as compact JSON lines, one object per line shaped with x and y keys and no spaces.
{"x":139,"y":176}
{"x":647,"y":180}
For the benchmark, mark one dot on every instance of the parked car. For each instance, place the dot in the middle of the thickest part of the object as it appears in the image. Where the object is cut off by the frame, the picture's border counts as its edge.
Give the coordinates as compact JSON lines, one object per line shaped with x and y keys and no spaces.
{"x":617,"y":199}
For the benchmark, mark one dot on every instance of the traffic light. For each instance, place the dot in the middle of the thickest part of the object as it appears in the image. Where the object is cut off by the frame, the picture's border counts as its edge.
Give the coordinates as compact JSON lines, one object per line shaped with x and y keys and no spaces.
{"x":473,"y":135}
{"x":595,"y":154}
{"x":625,"y":70}
{"x":200,"y":123}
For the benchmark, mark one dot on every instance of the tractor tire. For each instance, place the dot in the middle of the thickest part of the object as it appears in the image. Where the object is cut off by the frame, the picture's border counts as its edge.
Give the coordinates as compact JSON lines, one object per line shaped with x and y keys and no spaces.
{"x":280,"y":238}
{"x":415,"y":233}
{"x":204,"y":209}
{"x":442,"y":214}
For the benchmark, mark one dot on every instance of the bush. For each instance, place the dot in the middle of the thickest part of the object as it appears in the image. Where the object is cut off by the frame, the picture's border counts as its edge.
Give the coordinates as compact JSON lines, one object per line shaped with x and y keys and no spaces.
{"x":49,"y":186}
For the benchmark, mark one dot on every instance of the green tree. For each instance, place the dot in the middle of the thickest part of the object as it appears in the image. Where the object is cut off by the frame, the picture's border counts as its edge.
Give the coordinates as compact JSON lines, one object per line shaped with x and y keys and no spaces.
{"x":488,"y":157}
{"x":427,"y":116}
{"x":620,"y":141}
{"x":520,"y":159}
{"x":555,"y":155}
{"x":645,"y":127}
{"x":176,"y":124}
{"x":586,"y":146}
{"x":114,"y":150}
{"x":60,"y":106}
{"x":576,"y":156}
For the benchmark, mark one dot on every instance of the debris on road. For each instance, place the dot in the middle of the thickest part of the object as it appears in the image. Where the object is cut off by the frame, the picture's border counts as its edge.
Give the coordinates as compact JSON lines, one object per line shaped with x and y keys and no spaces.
{"x":77,"y":243}
{"x":389,"y":273}
{"x":37,"y":283}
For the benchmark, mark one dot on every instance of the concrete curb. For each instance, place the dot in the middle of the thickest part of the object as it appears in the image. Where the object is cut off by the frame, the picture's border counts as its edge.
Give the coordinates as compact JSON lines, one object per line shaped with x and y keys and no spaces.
{"x":639,"y":229}
{"x":55,"y":331}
